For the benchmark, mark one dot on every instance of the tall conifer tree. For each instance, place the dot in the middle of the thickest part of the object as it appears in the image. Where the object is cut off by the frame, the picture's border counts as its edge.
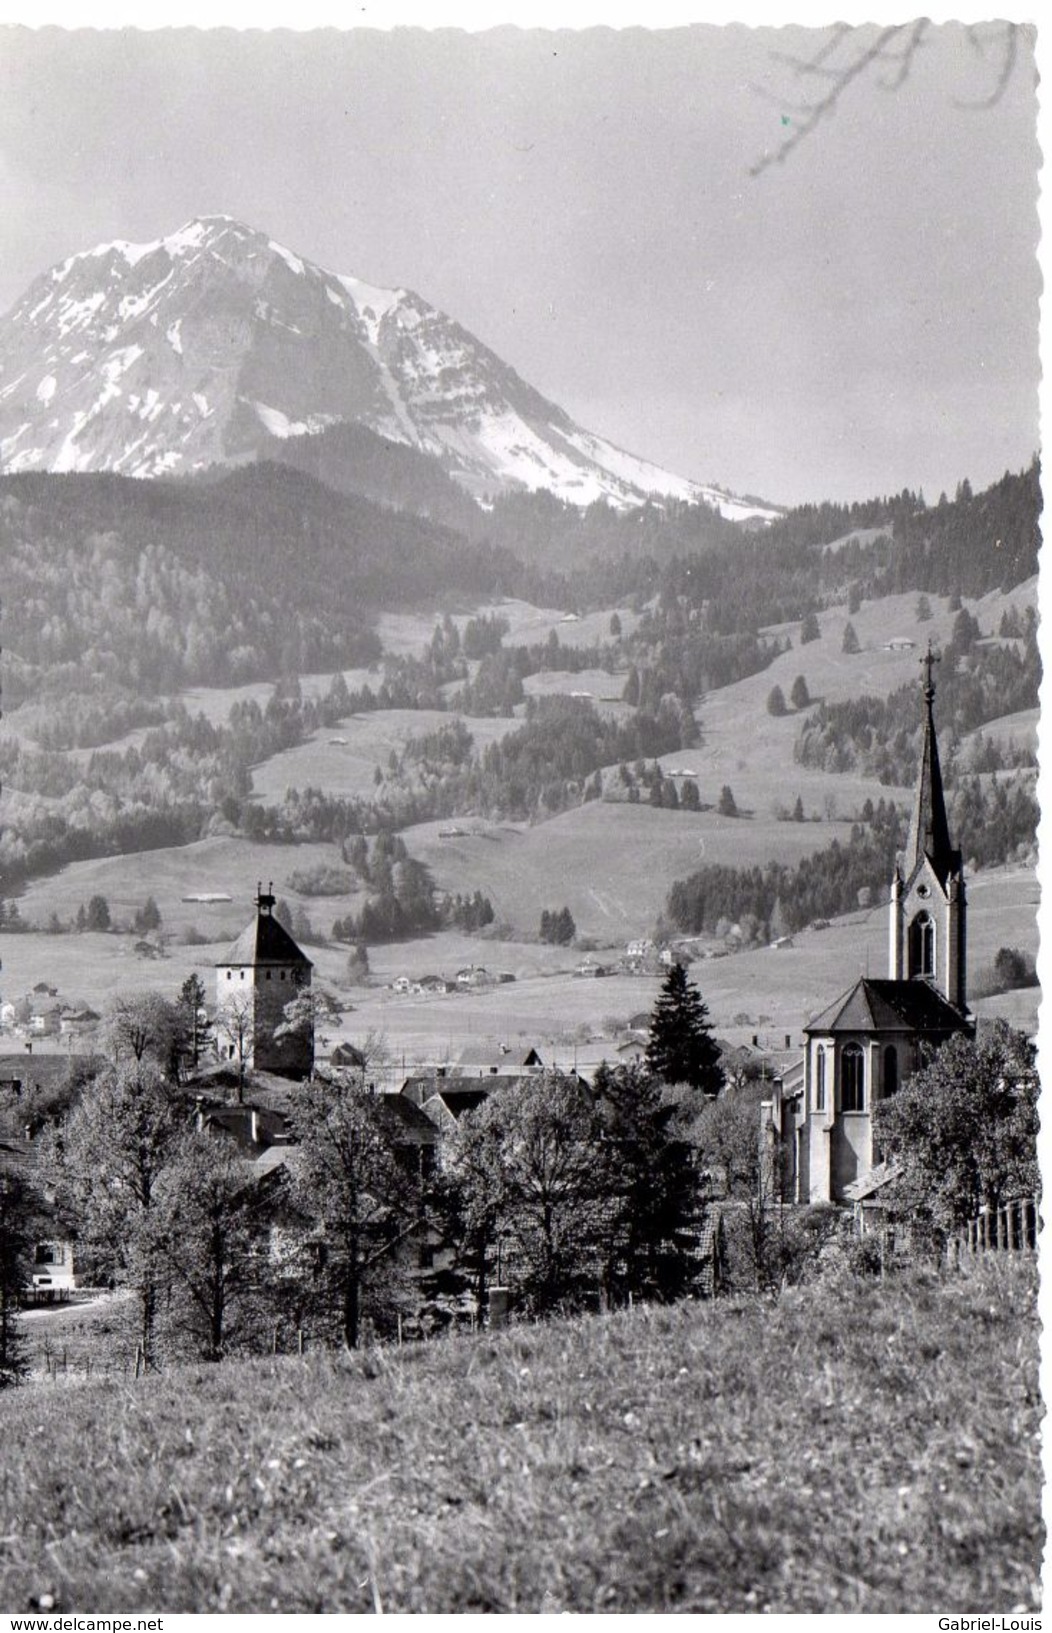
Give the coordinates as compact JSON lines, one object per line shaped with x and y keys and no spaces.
{"x":681,"y":1047}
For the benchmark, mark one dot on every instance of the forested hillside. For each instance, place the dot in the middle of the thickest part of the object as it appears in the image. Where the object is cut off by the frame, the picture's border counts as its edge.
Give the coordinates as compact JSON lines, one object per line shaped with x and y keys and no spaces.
{"x":157,"y":585}
{"x":153,"y":586}
{"x":817,"y":555}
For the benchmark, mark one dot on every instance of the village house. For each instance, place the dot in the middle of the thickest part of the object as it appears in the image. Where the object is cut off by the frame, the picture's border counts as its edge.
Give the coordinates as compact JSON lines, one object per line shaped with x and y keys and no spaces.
{"x":77,"y":1017}
{"x":475,"y":975}
{"x":434,"y":985}
{"x":863,"y":1046}
{"x":45,"y":1017}
{"x":498,"y":1060}
{"x":52,"y":1270}
{"x":444,"y":1094}
{"x":441,"y":1098}
{"x":346,"y":1057}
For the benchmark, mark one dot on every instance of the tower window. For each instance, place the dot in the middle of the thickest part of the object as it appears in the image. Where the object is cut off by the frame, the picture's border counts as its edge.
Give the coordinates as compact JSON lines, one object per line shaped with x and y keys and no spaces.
{"x":852,"y":1079}
{"x":891,"y":1070}
{"x":820,"y":1079}
{"x":922,"y":945}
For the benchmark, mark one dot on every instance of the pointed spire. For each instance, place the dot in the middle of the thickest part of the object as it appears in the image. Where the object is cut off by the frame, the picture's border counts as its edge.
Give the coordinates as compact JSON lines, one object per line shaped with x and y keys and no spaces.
{"x":929,"y":830}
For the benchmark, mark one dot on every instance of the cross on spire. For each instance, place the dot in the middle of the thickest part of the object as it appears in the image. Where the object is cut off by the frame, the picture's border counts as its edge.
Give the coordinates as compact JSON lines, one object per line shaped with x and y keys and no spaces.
{"x":928,"y":661}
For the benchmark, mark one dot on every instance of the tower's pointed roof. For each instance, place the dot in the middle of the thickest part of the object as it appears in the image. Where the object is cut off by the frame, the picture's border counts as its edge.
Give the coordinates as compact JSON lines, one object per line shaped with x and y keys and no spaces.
{"x":265,"y":940}
{"x":929,"y":833}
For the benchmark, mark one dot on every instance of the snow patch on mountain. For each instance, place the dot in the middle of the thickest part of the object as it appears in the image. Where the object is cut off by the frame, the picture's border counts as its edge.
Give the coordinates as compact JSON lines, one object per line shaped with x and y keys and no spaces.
{"x":279,"y":425}
{"x":371,"y":304}
{"x":293,"y":262}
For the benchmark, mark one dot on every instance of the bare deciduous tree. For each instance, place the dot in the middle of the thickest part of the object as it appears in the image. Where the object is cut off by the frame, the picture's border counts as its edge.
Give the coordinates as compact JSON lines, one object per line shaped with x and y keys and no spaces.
{"x":848,"y":55}
{"x":236,"y":1023}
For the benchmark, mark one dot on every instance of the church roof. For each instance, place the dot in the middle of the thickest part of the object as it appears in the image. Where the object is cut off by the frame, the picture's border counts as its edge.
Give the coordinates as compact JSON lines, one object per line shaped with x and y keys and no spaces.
{"x":889,"y":1006}
{"x":264,"y":941}
{"x":929,"y":832}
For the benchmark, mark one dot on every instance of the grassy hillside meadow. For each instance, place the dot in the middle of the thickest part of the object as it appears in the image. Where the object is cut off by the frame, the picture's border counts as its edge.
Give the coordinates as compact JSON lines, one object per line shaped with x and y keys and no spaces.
{"x":853,"y":1446}
{"x":344,"y":761}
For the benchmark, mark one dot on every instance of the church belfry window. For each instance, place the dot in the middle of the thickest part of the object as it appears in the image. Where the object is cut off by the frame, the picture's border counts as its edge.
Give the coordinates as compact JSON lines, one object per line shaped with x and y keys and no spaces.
{"x":852,"y":1079}
{"x":922,"y":945}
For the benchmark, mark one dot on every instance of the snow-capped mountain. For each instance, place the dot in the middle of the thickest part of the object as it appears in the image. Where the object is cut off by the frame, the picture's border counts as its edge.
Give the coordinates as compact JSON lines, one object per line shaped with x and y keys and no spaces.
{"x":201,"y":348}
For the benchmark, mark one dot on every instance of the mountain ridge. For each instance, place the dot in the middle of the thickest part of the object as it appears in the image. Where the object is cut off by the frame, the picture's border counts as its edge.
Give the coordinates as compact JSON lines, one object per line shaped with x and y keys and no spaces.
{"x":216,"y":344}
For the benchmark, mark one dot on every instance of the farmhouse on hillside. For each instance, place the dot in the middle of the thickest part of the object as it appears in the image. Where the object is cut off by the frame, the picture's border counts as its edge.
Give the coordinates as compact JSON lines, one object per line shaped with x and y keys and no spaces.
{"x":861,"y":1047}
{"x":261,"y":974}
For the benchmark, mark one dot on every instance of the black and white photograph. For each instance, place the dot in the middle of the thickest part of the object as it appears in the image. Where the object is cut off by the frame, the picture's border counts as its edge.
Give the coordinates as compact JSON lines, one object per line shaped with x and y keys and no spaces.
{"x":519,"y":816}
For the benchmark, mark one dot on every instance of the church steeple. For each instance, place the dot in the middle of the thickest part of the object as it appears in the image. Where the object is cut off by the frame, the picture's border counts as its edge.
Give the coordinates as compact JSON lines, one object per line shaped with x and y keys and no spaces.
{"x":929,"y":833}
{"x":928,"y":917}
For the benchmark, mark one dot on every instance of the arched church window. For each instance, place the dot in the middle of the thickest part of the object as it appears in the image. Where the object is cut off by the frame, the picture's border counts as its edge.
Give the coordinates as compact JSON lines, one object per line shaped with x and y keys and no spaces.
{"x":891,"y":1070}
{"x":922,"y":945}
{"x":820,"y":1079}
{"x":852,"y":1079}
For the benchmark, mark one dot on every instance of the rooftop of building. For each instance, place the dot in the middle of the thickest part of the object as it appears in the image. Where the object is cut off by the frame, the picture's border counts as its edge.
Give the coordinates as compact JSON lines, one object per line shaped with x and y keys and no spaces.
{"x":873,"y":1005}
{"x":264,"y":941}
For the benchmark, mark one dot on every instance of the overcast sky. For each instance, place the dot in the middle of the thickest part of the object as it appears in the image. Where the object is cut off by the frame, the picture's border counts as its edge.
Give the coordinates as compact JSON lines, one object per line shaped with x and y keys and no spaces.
{"x":859,"y":319}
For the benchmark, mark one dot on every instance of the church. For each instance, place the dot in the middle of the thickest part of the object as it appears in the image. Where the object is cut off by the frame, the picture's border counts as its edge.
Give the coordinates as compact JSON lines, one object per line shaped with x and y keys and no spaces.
{"x":863,"y":1045}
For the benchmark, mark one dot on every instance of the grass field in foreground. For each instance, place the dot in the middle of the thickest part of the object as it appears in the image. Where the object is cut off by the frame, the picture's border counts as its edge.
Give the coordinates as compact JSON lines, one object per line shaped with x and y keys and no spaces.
{"x":854,"y":1446}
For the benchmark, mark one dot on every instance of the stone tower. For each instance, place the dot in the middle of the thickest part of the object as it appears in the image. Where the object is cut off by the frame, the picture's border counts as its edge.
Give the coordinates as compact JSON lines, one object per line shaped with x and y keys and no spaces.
{"x":262,"y":972}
